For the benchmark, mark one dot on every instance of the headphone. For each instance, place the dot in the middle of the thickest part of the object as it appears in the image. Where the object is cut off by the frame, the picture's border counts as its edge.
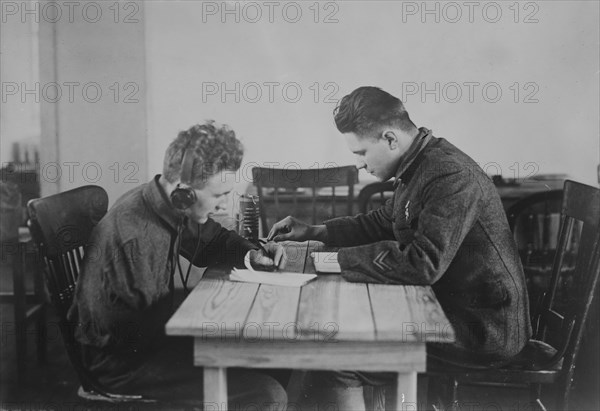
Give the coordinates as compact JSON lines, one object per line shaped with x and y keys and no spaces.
{"x":184,"y":196}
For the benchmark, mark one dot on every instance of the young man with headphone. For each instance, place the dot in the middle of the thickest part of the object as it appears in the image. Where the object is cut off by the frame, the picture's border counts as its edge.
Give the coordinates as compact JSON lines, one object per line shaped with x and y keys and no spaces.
{"x":125,"y":293}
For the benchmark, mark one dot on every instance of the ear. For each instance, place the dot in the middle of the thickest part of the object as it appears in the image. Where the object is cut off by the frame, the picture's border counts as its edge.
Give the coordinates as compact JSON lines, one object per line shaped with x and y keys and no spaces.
{"x":391,"y":138}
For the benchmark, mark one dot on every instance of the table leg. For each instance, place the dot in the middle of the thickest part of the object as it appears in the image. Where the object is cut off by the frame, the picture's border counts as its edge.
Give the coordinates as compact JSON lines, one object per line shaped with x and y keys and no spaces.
{"x":215,"y":388}
{"x":406,"y":399}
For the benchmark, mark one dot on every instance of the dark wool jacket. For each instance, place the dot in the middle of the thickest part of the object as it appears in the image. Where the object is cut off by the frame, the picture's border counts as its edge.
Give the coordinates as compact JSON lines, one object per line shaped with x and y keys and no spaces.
{"x":124,"y":295}
{"x":445,"y":227}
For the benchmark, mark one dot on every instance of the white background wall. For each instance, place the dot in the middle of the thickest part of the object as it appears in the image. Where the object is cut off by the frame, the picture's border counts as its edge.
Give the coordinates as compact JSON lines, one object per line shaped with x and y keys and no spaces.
{"x":553,"y":59}
{"x":174,"y":52}
{"x":19,"y":118}
{"x":88,"y":93}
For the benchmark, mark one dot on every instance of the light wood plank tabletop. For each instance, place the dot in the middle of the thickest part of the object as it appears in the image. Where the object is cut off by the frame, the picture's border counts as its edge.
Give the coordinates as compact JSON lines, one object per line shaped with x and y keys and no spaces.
{"x":328,"y":324}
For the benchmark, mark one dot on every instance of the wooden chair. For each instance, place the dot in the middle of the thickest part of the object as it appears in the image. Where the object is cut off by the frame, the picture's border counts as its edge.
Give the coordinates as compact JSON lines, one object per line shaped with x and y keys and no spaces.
{"x":366,"y":200}
{"x":550,"y":357}
{"x":286,"y":182}
{"x":534,"y":222}
{"x":61,"y":225}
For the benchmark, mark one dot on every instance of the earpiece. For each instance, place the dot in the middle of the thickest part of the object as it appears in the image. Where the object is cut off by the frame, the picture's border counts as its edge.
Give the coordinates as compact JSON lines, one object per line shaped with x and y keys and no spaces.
{"x":184,"y":196}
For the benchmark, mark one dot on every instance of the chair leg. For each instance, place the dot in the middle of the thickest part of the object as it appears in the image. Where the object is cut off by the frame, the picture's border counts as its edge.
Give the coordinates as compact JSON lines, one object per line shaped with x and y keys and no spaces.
{"x":454,"y":406}
{"x":40,"y":298}
{"x":538,"y":402}
{"x":535,"y":397}
{"x":41,"y":336}
{"x":21,"y":345}
{"x":19,"y":314}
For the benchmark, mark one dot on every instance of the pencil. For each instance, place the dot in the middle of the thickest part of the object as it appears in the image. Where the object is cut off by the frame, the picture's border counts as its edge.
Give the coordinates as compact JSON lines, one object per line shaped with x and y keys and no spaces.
{"x":260,"y":243}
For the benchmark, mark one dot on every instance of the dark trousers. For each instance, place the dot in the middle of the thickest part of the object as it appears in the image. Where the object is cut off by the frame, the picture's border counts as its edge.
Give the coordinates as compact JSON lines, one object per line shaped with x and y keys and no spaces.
{"x":169,"y":375}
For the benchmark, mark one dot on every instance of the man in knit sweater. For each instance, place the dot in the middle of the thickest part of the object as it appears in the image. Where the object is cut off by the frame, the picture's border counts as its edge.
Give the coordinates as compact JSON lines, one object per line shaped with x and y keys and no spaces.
{"x":445,"y":227}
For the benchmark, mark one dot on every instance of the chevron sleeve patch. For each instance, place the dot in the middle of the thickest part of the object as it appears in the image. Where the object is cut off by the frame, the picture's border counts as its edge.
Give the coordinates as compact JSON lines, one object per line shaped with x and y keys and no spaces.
{"x":380,"y":263}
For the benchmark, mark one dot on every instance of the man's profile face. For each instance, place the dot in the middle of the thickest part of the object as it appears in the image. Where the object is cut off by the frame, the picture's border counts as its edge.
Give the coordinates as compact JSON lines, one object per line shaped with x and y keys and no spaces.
{"x":213,"y":197}
{"x":377,"y":156}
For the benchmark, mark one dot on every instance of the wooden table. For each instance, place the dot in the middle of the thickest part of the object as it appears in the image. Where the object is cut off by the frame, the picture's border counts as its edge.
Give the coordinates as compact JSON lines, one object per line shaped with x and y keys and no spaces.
{"x":329,"y":324}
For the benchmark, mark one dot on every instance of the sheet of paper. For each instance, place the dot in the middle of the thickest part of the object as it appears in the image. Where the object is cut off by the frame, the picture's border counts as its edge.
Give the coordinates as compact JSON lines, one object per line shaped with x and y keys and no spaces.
{"x":276,"y":278}
{"x":326,"y":262}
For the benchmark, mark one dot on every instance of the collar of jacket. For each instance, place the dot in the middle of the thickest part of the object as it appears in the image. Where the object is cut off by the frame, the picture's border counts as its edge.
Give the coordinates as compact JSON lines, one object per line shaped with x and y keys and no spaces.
{"x":420,"y":142}
{"x":159,"y":202}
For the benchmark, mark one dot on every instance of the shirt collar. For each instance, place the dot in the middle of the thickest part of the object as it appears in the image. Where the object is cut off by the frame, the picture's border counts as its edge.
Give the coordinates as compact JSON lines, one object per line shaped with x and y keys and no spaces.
{"x":155,"y":195}
{"x":408,"y":158}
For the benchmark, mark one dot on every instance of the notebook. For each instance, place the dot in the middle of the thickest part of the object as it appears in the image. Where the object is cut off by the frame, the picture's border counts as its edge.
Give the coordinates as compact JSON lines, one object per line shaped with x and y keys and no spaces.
{"x":276,"y":278}
{"x":326,"y":262}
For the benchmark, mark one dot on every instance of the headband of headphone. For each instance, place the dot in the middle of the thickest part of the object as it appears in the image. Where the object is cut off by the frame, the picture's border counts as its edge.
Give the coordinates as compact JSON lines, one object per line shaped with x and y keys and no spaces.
{"x":184,"y":196}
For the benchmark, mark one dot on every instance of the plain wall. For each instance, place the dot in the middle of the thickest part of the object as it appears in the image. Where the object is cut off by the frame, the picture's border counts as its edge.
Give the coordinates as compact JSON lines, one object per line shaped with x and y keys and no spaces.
{"x":174,"y":52}
{"x":80,"y":71}
{"x":19,"y":111}
{"x":99,"y":135}
{"x":544,"y":121}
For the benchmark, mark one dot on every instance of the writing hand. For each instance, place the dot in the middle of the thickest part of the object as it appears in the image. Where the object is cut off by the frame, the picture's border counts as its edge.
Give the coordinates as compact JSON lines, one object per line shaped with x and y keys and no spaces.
{"x":270,"y":257}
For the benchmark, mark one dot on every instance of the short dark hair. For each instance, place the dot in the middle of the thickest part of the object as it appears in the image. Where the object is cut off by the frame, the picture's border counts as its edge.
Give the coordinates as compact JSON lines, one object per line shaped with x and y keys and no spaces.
{"x":215,"y":149}
{"x":369,"y":109}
